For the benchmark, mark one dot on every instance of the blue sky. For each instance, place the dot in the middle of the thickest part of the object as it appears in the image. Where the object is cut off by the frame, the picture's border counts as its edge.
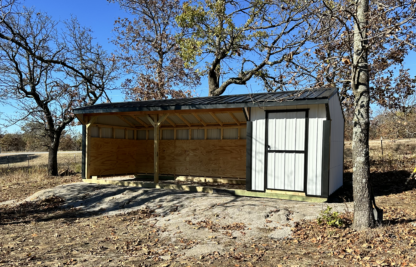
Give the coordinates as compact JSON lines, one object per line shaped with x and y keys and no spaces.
{"x":100,"y":15}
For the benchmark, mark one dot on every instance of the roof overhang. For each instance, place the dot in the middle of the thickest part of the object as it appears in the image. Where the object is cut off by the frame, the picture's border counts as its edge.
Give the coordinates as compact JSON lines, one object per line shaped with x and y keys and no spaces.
{"x":201,"y":107}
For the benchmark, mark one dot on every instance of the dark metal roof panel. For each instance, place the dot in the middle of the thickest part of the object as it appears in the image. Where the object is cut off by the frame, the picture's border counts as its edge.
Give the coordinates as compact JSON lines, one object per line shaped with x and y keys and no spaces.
{"x":224,"y":101}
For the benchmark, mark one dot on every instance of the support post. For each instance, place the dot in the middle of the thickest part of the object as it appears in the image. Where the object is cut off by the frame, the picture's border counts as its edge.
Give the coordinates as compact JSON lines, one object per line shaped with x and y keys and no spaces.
{"x":156,"y":121}
{"x":88,"y":147}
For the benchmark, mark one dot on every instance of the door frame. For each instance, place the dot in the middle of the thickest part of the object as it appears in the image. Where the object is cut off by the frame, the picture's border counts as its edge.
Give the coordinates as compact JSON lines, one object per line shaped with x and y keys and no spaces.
{"x":266,"y":143}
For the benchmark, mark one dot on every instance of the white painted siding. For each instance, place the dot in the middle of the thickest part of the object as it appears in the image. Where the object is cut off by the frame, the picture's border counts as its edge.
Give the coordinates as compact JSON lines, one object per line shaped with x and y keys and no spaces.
{"x":152,"y":134}
{"x":112,"y":120}
{"x":130,"y":134}
{"x":230,"y":133}
{"x":243,"y":133}
{"x":141,"y":135}
{"x":299,"y":172}
{"x":286,"y":170}
{"x":106,"y":132}
{"x":213,"y":134}
{"x":198,"y":134}
{"x":94,"y":131}
{"x":168,"y":134}
{"x":317,"y":114}
{"x":336,"y":163}
{"x":119,"y":133}
{"x":257,"y":175}
{"x":182,"y":134}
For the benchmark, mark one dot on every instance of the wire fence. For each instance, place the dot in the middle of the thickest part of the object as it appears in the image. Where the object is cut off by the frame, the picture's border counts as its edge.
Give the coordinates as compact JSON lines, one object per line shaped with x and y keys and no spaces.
{"x":65,"y":160}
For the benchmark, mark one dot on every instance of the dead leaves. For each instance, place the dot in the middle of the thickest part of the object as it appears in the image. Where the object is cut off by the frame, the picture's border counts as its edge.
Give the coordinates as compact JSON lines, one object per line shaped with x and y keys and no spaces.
{"x":215,"y":227}
{"x":386,"y":245}
{"x":30,"y":211}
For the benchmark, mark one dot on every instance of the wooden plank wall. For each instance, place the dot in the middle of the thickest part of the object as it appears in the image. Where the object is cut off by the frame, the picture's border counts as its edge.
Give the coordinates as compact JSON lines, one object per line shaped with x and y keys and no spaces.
{"x":210,"y":158}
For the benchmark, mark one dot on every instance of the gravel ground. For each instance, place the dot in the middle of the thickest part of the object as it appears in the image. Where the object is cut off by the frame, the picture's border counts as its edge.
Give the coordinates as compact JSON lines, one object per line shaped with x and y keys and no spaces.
{"x":225,"y":218}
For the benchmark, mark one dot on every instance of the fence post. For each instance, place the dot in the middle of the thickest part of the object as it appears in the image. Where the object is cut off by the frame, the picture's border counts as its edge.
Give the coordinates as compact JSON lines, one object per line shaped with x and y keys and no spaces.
{"x":8,"y":163}
{"x":27,"y":156}
{"x":382,"y":154}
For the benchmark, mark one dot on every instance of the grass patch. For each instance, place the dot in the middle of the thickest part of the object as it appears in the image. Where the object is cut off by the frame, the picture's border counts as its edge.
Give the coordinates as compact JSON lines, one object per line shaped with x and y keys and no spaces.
{"x":19,"y":182}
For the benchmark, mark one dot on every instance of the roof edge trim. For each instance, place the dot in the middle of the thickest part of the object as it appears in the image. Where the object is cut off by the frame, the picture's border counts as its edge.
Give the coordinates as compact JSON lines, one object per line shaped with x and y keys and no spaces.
{"x":214,"y":106}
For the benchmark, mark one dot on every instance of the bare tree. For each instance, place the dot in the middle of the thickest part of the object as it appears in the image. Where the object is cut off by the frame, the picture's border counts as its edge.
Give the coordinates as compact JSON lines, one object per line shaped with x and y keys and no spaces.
{"x":47,"y":72}
{"x":361,"y":43}
{"x":148,"y":51}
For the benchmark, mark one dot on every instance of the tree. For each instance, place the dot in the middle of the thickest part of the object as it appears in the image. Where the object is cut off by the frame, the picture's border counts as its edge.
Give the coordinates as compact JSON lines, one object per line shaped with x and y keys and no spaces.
{"x":47,"y":72}
{"x":397,"y":123}
{"x":35,"y":136}
{"x":148,"y":51}
{"x":360,"y":45}
{"x":390,"y":37}
{"x":12,"y":142}
{"x":241,"y":40}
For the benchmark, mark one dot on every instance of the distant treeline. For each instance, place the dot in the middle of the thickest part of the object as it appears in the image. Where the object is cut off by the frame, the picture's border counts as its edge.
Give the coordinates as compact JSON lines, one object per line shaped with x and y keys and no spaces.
{"x":33,"y":138}
{"x":390,"y":124}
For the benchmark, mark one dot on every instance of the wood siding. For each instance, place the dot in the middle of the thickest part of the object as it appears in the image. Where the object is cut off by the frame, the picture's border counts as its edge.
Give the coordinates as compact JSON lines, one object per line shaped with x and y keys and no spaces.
{"x":211,"y":158}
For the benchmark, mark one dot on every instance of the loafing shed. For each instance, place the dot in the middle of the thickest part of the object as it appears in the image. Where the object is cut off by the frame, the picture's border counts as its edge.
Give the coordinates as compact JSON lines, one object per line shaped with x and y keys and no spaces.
{"x":288,"y":143}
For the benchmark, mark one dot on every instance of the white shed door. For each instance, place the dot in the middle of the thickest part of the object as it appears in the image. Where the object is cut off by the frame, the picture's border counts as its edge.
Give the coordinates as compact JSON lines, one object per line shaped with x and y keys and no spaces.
{"x":286,"y":142}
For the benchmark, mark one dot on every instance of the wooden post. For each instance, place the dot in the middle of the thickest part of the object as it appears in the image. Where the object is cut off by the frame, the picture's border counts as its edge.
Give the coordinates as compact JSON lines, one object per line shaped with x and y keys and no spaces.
{"x":88,"y":147}
{"x":156,"y":154}
{"x":156,"y":122}
{"x":381,"y":142}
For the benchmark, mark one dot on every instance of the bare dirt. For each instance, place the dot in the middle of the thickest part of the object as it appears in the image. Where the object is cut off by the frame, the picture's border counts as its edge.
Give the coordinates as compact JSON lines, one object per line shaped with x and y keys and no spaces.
{"x":92,"y":225}
{"x":96,"y":225}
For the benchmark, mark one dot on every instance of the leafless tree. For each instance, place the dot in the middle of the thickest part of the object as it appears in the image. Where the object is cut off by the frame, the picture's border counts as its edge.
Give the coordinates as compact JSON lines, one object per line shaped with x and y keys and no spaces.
{"x":148,"y":51}
{"x":46,"y":72}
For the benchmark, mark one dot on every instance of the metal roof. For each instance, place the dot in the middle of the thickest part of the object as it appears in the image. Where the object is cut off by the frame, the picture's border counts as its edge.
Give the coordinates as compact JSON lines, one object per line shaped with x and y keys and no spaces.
{"x":310,"y":96}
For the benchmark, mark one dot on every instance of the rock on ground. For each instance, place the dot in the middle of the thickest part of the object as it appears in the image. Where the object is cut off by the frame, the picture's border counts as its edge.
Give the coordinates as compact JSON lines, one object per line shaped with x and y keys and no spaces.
{"x":211,"y":219}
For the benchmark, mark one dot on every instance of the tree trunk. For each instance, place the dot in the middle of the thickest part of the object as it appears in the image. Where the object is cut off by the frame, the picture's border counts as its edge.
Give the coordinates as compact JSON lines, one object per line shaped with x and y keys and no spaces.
{"x":53,"y":154}
{"x":213,"y":82}
{"x":53,"y":161}
{"x":363,"y":209}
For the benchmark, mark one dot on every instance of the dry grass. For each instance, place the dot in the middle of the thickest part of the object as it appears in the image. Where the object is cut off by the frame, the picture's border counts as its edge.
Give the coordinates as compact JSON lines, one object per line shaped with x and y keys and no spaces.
{"x":30,"y":159}
{"x":397,"y":155}
{"x":20,"y":181}
{"x":43,"y":234}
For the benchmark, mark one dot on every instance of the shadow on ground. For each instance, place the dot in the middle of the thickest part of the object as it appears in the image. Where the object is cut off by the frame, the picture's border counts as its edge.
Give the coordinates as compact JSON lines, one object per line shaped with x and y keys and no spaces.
{"x":383,"y":184}
{"x":11,"y":159}
{"x":70,"y":202}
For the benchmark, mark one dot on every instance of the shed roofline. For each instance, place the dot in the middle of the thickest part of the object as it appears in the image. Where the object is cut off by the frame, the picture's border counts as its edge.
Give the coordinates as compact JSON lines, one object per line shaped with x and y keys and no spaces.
{"x":195,"y":107}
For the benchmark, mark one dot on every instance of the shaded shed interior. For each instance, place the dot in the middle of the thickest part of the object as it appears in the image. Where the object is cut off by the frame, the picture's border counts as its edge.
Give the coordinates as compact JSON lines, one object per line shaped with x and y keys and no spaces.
{"x":202,"y":143}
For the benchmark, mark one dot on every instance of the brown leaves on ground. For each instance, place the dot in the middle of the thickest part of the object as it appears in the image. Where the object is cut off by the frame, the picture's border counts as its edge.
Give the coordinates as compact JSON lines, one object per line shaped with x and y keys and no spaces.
{"x":215,"y":227}
{"x":390,"y":244}
{"x":29,"y":211}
